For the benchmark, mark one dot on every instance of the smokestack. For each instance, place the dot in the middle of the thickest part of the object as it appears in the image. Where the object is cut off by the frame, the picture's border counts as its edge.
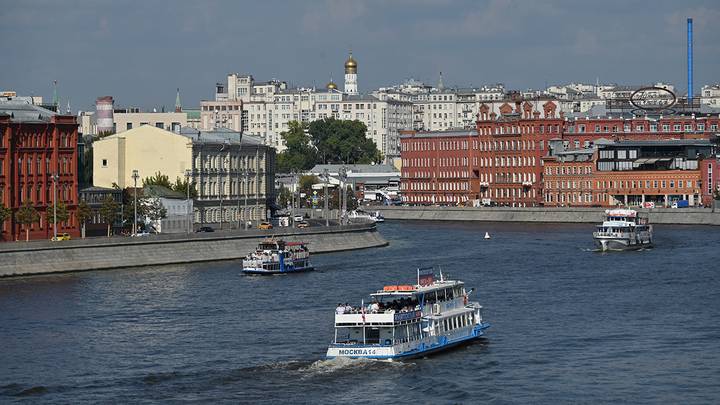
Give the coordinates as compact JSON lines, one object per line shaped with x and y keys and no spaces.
{"x":690,"y":59}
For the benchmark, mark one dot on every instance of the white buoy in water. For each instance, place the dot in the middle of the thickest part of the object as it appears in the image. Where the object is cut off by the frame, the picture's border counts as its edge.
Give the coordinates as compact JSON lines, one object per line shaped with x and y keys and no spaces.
{"x":487,"y":235}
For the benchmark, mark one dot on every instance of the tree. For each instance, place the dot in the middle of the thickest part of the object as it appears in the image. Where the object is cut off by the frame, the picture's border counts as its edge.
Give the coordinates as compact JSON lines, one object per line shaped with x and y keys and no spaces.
{"x":5,"y":213}
{"x":84,"y":212}
{"x":60,"y":209}
{"x":154,"y":210}
{"x":26,"y":215}
{"x":284,"y":197}
{"x":182,"y":185}
{"x":108,"y":212}
{"x":306,"y":182}
{"x":299,"y":154}
{"x":343,"y":141}
{"x":87,"y":170}
{"x":159,"y":180}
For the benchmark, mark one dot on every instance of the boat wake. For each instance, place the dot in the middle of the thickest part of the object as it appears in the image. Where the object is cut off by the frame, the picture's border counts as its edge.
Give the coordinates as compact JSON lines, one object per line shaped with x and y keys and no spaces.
{"x":345,"y":364}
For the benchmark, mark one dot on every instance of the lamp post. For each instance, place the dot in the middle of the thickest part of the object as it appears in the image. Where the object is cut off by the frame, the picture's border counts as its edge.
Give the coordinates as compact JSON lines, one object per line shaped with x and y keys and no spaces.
{"x":188,"y":174}
{"x":326,"y":177}
{"x":220,"y":191}
{"x":246,"y":176}
{"x":135,"y":177}
{"x":343,"y":193}
{"x":55,"y":178}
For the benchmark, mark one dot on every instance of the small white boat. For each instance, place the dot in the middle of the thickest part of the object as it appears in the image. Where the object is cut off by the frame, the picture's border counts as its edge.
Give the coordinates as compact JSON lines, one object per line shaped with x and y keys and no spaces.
{"x":405,"y":321}
{"x":366,"y":216}
{"x":278,"y":257}
{"x":623,"y":229}
{"x":487,"y":235}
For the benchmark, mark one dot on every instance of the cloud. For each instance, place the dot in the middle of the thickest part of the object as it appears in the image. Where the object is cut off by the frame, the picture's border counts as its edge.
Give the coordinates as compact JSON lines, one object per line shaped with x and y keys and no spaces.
{"x":332,"y":14}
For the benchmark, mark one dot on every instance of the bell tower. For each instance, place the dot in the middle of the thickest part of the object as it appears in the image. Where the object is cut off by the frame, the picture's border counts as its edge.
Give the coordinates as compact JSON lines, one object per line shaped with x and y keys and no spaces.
{"x":351,"y":75}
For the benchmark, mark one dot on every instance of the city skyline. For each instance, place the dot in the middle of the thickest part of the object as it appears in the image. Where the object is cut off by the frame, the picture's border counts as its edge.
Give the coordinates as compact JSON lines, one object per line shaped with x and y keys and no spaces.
{"x":518,"y":43}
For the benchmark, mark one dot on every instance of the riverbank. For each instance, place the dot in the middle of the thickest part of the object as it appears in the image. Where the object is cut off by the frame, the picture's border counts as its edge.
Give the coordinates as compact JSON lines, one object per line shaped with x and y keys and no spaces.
{"x":20,"y":259}
{"x":680,"y":216}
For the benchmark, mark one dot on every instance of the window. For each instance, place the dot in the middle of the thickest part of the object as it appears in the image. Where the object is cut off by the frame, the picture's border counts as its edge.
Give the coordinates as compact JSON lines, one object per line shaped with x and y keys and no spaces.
{"x":104,"y":163}
{"x":128,"y":126}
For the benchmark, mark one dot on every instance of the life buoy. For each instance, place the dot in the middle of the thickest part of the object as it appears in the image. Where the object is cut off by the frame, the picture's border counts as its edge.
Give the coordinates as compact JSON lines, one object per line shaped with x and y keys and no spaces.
{"x":465,"y":299}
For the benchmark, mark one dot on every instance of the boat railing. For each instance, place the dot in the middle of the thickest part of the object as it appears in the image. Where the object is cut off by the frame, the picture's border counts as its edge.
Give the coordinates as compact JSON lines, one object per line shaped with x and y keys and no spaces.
{"x":602,"y":234}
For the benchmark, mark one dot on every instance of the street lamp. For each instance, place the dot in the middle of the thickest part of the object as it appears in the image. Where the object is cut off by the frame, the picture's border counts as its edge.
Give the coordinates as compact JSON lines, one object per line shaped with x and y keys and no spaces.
{"x":55,"y":178}
{"x":343,"y":193}
{"x":326,"y":176}
{"x":135,"y":177}
{"x":246,"y":176}
{"x":188,"y":174}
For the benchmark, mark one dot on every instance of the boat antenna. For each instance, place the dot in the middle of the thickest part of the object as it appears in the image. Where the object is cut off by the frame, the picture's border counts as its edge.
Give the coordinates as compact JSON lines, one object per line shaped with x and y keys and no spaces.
{"x":418,"y":276}
{"x":441,"y":275}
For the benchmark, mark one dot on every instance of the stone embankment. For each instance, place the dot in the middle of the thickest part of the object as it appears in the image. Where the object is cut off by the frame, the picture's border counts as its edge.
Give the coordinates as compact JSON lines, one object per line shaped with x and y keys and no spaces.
{"x":681,"y":216}
{"x":20,"y":258}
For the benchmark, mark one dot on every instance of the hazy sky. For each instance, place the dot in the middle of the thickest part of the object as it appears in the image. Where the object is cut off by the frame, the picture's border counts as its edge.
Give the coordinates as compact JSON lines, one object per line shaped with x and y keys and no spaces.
{"x":140,"y":51}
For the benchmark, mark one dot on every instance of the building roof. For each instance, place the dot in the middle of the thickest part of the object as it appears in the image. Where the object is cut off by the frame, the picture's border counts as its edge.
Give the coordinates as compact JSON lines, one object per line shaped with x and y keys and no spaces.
{"x":23,"y":111}
{"x":668,"y":142}
{"x":158,"y":191}
{"x":441,"y":134}
{"x":359,"y":168}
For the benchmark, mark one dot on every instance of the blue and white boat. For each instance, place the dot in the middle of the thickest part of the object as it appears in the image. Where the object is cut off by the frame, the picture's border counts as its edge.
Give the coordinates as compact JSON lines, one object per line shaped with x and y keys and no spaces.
{"x":405,"y":321}
{"x":278,"y":257}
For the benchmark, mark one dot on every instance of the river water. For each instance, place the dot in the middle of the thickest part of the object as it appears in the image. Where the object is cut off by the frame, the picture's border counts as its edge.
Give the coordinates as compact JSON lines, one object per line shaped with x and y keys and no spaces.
{"x":569,"y":325}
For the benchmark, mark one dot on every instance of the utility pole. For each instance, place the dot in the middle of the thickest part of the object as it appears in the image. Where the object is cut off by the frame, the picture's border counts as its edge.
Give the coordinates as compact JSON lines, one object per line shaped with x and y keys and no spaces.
{"x":135,"y":176}
{"x":343,"y":179}
{"x":188,"y":174}
{"x":326,"y":176}
{"x":55,"y":178}
{"x":246,"y":176}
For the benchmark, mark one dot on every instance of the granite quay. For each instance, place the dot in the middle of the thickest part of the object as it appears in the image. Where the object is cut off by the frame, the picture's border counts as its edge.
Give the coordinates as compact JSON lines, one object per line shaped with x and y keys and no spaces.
{"x":679,"y":216}
{"x":18,"y":259}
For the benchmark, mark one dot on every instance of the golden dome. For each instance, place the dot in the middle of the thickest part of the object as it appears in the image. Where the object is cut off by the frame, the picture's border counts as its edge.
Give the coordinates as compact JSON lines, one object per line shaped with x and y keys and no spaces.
{"x":350,"y":65}
{"x":331,"y":85}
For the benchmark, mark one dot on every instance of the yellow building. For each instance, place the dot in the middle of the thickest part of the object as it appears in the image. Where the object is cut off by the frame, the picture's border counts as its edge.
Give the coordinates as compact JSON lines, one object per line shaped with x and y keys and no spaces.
{"x":146,"y":149}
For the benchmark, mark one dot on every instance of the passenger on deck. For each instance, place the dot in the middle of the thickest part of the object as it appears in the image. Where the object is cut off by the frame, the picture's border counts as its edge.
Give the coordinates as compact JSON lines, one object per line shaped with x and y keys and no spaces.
{"x":374,"y":307}
{"x":340,"y":309}
{"x":348,"y":308}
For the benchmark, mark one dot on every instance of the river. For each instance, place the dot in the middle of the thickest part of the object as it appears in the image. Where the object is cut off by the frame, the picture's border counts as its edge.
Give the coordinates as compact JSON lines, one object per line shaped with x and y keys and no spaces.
{"x":569,"y":325}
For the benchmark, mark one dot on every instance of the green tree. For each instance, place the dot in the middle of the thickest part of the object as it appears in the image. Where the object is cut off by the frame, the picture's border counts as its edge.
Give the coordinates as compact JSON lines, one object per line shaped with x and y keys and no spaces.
{"x":306,"y":182}
{"x":284,"y":197}
{"x":342,"y":141}
{"x":26,"y":215}
{"x":5,"y":213}
{"x":84,"y":212}
{"x":154,"y":210}
{"x":108,"y":212}
{"x":60,"y":210}
{"x":299,"y":154}
{"x":182,"y":185}
{"x":159,"y":180}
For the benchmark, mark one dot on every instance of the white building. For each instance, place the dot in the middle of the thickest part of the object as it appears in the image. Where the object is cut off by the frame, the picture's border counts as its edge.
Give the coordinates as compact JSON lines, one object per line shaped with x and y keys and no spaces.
{"x":178,"y":209}
{"x":264,"y":109}
{"x":710,"y":95}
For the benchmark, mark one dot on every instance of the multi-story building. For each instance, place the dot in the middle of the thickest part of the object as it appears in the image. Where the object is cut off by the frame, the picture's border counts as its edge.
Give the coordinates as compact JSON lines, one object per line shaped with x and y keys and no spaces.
{"x":631,"y":173}
{"x":264,"y":109}
{"x":233,"y":173}
{"x":505,"y":155}
{"x":710,"y":95}
{"x":38,"y":160}
{"x":439,"y":167}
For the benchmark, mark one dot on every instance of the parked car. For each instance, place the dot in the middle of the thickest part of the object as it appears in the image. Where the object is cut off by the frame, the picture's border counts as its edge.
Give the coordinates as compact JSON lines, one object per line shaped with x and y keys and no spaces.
{"x":60,"y":236}
{"x":205,"y":229}
{"x":302,"y":224}
{"x":298,"y":218}
{"x":265,"y":225}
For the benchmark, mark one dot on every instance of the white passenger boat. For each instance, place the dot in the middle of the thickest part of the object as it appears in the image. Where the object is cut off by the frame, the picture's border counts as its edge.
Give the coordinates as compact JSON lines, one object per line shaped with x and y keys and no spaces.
{"x":404,"y":321}
{"x":366,"y":216}
{"x":623,"y":229}
{"x":278,"y":257}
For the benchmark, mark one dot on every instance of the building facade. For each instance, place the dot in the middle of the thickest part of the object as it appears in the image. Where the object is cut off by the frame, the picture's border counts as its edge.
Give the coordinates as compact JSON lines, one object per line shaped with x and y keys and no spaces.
{"x":35,"y":146}
{"x":503,"y":162}
{"x":233,"y":174}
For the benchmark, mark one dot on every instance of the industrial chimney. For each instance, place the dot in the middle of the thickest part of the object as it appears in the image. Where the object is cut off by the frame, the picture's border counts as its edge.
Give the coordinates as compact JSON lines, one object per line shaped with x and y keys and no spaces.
{"x":690,"y":60}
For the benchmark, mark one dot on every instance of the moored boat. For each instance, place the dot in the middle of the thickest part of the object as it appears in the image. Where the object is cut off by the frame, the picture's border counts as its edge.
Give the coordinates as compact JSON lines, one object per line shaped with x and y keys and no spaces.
{"x":623,"y":229}
{"x":405,"y":321}
{"x":278,"y":257}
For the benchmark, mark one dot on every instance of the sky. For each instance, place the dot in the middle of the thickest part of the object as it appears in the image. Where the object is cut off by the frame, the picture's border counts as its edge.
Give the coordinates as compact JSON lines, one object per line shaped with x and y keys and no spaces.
{"x":141,"y":51}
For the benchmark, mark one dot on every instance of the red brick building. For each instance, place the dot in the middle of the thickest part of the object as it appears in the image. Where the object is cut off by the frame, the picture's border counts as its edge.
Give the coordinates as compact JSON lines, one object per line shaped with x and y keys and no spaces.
{"x":36,"y":143}
{"x":503,"y":161}
{"x":438,"y":167}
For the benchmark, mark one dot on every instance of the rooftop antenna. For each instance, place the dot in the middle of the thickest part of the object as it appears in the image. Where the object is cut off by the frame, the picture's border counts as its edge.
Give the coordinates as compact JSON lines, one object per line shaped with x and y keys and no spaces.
{"x":55,"y":99}
{"x":441,"y":86}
